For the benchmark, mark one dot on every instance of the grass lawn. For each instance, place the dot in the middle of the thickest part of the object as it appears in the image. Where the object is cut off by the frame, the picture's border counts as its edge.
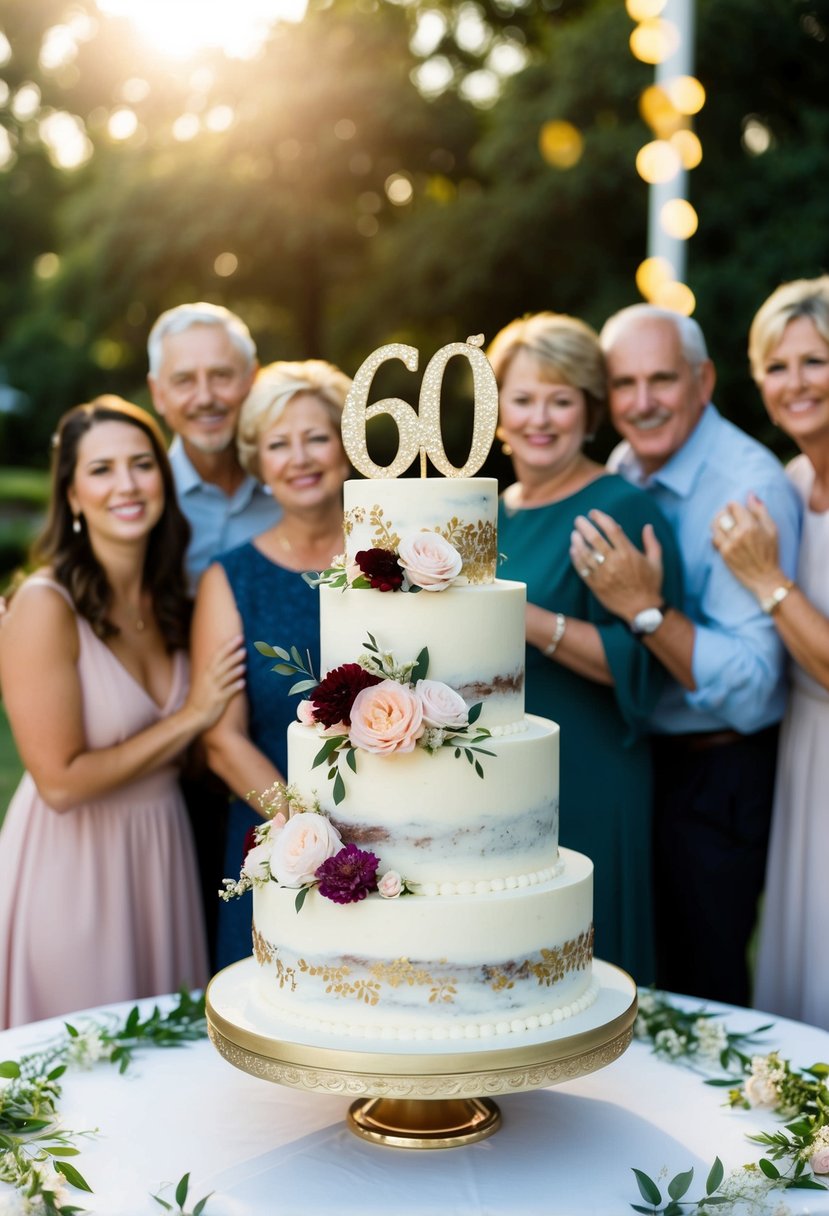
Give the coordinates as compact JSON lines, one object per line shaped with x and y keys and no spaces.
{"x":10,"y":766}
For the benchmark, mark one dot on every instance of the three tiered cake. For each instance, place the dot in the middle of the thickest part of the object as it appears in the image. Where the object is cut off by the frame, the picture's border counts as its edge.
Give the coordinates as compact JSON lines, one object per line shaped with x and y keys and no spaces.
{"x":478,"y":924}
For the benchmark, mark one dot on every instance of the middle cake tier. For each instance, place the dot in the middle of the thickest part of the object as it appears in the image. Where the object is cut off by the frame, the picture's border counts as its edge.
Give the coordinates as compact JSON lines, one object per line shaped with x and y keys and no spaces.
{"x":475,"y":638}
{"x":435,"y":820}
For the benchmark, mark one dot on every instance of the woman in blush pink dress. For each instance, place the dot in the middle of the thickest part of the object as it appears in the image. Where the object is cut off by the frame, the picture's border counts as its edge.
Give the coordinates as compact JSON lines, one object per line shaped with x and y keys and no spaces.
{"x":98,"y":887}
{"x":789,"y":352}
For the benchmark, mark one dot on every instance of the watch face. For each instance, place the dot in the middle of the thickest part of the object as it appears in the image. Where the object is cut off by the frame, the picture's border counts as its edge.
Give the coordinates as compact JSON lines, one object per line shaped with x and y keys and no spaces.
{"x":647,"y":621}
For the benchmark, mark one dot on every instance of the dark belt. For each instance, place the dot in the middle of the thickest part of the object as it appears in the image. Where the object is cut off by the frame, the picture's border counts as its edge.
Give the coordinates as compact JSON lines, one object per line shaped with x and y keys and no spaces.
{"x":700,"y":741}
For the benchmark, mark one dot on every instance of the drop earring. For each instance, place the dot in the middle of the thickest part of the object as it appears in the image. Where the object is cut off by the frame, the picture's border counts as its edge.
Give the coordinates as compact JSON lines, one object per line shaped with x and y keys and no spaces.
{"x":77,"y":527}
{"x":505,"y":447}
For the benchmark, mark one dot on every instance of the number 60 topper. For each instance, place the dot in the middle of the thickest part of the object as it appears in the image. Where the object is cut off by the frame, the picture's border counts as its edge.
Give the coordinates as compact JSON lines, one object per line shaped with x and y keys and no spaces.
{"x":419,"y":431}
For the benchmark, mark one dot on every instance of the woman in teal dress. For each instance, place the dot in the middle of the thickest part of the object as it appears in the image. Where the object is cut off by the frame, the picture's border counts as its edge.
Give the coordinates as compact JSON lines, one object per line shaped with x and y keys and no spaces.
{"x":585,"y":668}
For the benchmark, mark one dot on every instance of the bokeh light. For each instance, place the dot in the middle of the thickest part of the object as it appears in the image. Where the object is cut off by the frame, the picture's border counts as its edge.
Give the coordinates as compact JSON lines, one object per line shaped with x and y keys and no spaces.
{"x":756,"y":138}
{"x":686,"y":93}
{"x":123,"y":123}
{"x":678,"y":218}
{"x":226,"y":264}
{"x":399,"y":189}
{"x":687,"y":147}
{"x":676,"y":296}
{"x":654,"y":41}
{"x":658,"y":161}
{"x":65,"y":139}
{"x":652,"y":274}
{"x":561,"y":144}
{"x":644,"y":10}
{"x":659,"y":112}
{"x":46,"y":266}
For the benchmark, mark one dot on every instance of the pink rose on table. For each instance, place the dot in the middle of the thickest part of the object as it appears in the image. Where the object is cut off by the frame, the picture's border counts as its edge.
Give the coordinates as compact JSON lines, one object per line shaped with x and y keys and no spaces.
{"x":430,"y":562}
{"x":386,"y":718}
{"x":390,"y":885}
{"x":819,"y":1161}
{"x":443,"y":708}
{"x":305,"y":842}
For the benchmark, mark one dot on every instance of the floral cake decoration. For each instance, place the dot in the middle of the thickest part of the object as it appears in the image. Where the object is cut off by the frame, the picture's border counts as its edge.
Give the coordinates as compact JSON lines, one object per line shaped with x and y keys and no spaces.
{"x":379,"y":706}
{"x":420,"y":561}
{"x":300,"y":848}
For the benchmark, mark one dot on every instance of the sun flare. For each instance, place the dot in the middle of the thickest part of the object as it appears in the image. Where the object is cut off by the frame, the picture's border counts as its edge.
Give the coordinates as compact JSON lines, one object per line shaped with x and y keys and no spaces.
{"x":182,"y":28}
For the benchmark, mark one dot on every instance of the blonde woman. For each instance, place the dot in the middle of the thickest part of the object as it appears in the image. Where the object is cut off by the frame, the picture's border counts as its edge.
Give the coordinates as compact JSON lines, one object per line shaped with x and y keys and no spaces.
{"x":584,"y":666}
{"x":289,"y":438}
{"x":789,"y":355}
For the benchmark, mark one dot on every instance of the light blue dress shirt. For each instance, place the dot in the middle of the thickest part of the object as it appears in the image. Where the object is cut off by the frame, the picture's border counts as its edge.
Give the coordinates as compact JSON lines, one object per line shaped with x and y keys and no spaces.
{"x":218,"y":521}
{"x":739,"y":663}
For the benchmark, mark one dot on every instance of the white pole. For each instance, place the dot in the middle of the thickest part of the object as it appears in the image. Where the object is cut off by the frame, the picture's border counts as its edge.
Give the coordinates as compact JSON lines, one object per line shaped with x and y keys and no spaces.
{"x":681,"y":63}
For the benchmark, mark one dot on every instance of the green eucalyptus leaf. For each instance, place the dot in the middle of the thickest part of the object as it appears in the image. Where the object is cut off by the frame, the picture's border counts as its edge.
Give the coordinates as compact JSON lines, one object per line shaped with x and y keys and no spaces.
{"x":284,"y":669}
{"x":168,"y":1207}
{"x":361,"y":583}
{"x":647,"y":1188}
{"x":351,"y":759}
{"x":715,"y":1177}
{"x":200,"y":1206}
{"x":57,"y":1150}
{"x":181,"y":1190}
{"x":475,"y":712}
{"x":768,"y":1168}
{"x":329,"y":746}
{"x":297,"y":658}
{"x":680,"y":1183}
{"x":478,"y":768}
{"x":302,"y":686}
{"x":421,"y":666}
{"x":70,"y":1030}
{"x":73,"y":1176}
{"x":269,"y":653}
{"x":807,"y":1184}
{"x":339,"y":789}
{"x":9,"y":1069}
{"x":301,"y":896}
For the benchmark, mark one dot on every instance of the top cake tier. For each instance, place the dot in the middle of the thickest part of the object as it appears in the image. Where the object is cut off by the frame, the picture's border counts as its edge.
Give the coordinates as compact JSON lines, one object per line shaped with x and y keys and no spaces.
{"x":464,"y":510}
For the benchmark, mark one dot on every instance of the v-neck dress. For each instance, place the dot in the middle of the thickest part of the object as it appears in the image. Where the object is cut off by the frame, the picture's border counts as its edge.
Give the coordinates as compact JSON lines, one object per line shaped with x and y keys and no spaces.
{"x":100,"y":903}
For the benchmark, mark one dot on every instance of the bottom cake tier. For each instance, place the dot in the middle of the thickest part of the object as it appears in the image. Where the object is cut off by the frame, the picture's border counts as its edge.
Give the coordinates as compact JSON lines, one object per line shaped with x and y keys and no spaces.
{"x":425,"y":967}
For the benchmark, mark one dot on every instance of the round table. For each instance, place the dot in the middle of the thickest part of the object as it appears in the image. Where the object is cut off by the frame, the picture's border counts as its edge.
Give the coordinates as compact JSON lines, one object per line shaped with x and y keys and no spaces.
{"x":263,"y":1148}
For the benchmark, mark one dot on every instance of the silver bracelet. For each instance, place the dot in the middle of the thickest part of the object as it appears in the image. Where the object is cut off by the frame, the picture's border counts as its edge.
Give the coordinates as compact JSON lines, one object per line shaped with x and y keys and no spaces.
{"x":551,"y":647}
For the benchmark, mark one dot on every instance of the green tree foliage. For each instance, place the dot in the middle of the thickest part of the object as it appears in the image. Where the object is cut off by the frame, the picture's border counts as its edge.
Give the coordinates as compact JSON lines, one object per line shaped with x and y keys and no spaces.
{"x":298,"y":190}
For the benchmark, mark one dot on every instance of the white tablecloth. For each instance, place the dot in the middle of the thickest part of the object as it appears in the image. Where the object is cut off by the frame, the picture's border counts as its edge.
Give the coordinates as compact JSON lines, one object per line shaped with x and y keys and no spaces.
{"x":267,"y":1149}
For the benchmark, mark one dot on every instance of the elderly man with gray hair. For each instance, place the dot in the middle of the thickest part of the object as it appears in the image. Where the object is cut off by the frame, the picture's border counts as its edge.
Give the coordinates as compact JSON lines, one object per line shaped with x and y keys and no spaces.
{"x":714,"y":728}
{"x":202,"y":362}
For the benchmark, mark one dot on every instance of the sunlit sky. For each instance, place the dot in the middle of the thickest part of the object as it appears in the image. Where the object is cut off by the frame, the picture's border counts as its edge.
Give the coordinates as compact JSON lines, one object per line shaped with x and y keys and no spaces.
{"x":183,"y":27}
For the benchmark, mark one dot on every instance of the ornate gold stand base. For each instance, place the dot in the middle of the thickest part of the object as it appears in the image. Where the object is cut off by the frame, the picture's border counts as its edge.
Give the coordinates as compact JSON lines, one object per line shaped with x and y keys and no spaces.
{"x":438,"y":1096}
{"x":444,"y":1123}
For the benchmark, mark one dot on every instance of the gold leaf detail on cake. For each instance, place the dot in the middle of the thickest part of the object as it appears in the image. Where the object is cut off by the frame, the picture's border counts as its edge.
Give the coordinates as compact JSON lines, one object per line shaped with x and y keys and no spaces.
{"x":384,"y":535}
{"x":477,"y":544}
{"x":355,"y":515}
{"x":366,"y":992}
{"x":401,"y":971}
{"x":263,"y":952}
{"x":443,"y":993}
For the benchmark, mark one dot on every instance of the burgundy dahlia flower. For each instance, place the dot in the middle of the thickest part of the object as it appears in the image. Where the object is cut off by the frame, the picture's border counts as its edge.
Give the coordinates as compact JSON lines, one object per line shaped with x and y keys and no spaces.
{"x":334,"y":696}
{"x":348,"y":876}
{"x":381,"y":568}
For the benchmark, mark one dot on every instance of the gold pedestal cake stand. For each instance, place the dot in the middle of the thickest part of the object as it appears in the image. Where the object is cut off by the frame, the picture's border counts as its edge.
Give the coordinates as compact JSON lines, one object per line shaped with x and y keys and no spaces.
{"x":429,"y":1095}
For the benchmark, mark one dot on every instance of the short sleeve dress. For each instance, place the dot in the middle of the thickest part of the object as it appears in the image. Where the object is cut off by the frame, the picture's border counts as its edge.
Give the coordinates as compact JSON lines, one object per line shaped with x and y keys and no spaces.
{"x":101,"y":903}
{"x":605,"y":765}
{"x":276,"y":606}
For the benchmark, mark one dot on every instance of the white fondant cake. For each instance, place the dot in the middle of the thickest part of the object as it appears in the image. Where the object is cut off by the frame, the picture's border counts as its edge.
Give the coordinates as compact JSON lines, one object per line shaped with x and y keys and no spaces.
{"x":493,"y":933}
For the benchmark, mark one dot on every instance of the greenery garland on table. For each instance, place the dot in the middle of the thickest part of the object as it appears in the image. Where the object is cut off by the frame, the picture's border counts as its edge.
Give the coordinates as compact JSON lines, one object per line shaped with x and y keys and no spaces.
{"x":34,"y":1145}
{"x":763,"y":1082}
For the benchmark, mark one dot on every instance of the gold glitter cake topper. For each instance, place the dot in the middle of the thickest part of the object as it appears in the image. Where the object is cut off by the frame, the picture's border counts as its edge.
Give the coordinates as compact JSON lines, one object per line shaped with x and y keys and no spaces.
{"x":419,"y":431}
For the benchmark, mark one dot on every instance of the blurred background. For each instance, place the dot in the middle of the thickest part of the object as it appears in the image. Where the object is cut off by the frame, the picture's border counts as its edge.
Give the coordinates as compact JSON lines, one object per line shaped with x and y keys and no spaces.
{"x":355,"y":172}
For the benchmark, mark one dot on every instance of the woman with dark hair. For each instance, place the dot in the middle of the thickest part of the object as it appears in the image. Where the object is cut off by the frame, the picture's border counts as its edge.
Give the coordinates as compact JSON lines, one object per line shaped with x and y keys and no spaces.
{"x":98,"y":889}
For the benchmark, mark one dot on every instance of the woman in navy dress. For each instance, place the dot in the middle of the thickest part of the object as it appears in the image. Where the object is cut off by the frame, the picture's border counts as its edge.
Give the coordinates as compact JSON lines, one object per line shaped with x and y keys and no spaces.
{"x":289,"y":437}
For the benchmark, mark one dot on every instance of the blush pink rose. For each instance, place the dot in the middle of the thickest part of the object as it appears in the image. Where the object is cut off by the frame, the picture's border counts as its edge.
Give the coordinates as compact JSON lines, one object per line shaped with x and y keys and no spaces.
{"x":761,"y":1093}
{"x":819,"y":1161}
{"x":430,"y":562}
{"x":390,"y":885}
{"x":305,"y":713}
{"x":443,"y":708}
{"x":386,"y":718}
{"x":305,"y":842}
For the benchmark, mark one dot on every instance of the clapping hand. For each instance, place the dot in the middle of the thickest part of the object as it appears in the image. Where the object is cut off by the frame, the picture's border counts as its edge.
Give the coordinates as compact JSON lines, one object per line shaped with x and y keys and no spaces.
{"x":623,"y":578}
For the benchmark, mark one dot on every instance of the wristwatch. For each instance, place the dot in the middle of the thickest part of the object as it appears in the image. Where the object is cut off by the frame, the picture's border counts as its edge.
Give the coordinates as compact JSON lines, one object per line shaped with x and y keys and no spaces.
{"x":648,"y":620}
